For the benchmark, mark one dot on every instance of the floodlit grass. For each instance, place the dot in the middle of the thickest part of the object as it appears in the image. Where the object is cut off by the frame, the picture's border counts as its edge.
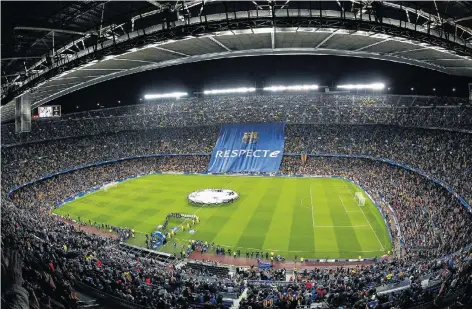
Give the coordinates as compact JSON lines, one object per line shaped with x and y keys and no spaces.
{"x":308,"y":217}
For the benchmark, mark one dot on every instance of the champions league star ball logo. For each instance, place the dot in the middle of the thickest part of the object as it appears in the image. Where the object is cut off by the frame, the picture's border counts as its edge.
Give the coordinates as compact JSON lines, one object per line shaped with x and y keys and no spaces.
{"x":250,"y":137}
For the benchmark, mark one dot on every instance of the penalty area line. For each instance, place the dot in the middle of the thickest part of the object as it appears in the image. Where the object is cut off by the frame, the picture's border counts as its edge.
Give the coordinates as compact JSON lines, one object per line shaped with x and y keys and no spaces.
{"x":345,"y":209}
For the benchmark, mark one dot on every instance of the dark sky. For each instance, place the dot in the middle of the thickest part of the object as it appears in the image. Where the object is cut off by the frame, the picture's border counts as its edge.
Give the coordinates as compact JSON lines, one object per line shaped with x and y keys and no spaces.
{"x":260,"y":71}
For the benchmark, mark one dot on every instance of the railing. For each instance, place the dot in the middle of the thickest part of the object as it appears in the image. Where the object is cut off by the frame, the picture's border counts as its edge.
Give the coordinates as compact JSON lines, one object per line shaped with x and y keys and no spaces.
{"x":105,"y":298}
{"x":160,"y":256}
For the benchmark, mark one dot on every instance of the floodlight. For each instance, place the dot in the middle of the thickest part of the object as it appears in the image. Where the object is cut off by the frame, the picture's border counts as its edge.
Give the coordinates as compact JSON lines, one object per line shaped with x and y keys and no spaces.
{"x":291,"y":88}
{"x":164,"y":95}
{"x":374,"y":86}
{"x":230,"y":90}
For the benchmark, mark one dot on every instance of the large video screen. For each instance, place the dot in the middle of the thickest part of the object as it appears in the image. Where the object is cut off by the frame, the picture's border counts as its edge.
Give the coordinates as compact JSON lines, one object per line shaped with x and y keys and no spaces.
{"x":49,"y":111}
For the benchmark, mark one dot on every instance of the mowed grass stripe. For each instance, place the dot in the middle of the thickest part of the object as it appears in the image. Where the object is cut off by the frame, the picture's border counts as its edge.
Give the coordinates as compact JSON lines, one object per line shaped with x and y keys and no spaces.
{"x":326,"y":245}
{"x":363,"y":232}
{"x":375,"y":219}
{"x":256,"y":229}
{"x":234,"y":228}
{"x":302,"y":237}
{"x":272,"y":213}
{"x":345,"y":234}
{"x":224,"y":224}
{"x":278,"y":238}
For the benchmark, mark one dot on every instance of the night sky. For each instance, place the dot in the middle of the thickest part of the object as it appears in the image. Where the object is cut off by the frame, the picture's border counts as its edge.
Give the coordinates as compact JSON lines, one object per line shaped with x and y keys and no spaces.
{"x":262,"y":71}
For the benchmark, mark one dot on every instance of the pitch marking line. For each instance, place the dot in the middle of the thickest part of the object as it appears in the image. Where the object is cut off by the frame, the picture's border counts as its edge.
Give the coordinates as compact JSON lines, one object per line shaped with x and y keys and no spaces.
{"x":227,"y":185}
{"x":345,"y":209}
{"x":373,"y":229}
{"x":378,"y":239}
{"x":312,"y":215}
{"x":303,"y":204}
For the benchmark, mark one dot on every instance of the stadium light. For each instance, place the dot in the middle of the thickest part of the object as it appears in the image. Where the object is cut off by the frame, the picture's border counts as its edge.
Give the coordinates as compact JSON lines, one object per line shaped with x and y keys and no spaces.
{"x":165,"y":95}
{"x":291,"y":88}
{"x":434,"y":89}
{"x":374,"y":86}
{"x":230,"y":90}
{"x":453,"y":89}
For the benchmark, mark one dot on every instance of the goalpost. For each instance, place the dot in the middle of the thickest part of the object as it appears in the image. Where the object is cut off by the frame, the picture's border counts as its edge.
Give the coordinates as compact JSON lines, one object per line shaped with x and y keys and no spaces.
{"x":109,"y":186}
{"x":359,"y":198}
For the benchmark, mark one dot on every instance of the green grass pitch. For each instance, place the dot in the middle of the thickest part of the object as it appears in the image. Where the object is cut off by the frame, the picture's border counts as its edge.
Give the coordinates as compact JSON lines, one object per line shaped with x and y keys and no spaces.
{"x":307,"y":217}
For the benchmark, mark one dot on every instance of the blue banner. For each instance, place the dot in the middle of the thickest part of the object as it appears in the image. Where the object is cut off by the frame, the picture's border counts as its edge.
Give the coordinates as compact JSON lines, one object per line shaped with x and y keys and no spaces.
{"x":248,"y":148}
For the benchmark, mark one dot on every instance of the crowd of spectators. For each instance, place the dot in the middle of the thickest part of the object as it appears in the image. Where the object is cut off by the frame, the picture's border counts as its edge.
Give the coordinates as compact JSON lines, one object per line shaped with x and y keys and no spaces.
{"x":56,"y":254}
{"x":359,"y":287}
{"x":313,"y":108}
{"x":445,"y":155}
{"x":254,"y":273}
{"x":431,"y":223}
{"x":30,"y":161}
{"x":44,"y":257}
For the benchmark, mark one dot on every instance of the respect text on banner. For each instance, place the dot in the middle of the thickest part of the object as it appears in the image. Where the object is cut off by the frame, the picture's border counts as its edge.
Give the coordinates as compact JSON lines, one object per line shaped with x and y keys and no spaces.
{"x":248,"y":148}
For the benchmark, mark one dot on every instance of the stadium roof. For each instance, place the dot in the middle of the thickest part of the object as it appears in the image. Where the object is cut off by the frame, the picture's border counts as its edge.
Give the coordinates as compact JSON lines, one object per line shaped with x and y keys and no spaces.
{"x":85,"y":43}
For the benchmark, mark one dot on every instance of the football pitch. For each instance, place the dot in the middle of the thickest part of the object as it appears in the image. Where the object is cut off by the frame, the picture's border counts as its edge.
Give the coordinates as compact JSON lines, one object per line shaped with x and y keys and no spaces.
{"x":304,"y":217}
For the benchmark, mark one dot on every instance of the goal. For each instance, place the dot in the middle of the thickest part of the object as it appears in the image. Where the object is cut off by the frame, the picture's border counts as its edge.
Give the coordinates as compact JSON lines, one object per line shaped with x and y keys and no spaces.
{"x":109,"y":186}
{"x":359,"y":198}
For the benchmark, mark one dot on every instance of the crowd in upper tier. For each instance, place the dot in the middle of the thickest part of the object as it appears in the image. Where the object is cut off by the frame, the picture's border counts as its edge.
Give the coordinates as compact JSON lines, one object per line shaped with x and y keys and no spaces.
{"x":408,"y":111}
{"x":445,"y":155}
{"x":56,"y":255}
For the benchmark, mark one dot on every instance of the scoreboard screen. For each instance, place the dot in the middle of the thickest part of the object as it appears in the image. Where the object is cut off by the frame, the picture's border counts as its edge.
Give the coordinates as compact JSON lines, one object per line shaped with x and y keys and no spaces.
{"x":49,"y":111}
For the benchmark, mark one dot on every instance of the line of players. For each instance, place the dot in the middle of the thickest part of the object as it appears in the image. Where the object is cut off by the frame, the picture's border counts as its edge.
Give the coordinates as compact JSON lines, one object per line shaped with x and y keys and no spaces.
{"x":204,"y":247}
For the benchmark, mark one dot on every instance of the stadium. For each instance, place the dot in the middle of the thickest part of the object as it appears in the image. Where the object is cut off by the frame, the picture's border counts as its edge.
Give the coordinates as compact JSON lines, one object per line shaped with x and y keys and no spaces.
{"x":236,"y":154}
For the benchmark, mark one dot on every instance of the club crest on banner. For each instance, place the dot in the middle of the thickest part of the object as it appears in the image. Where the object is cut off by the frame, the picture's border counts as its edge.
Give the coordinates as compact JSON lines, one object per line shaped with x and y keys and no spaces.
{"x":250,"y":137}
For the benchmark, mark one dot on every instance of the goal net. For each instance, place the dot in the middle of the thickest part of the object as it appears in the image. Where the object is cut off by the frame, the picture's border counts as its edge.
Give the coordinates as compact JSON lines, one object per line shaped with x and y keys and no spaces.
{"x":359,"y":198}
{"x":109,"y":186}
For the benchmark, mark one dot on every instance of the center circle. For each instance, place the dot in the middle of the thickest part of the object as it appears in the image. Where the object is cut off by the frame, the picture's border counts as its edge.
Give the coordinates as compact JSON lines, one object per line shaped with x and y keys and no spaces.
{"x":212,"y":196}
